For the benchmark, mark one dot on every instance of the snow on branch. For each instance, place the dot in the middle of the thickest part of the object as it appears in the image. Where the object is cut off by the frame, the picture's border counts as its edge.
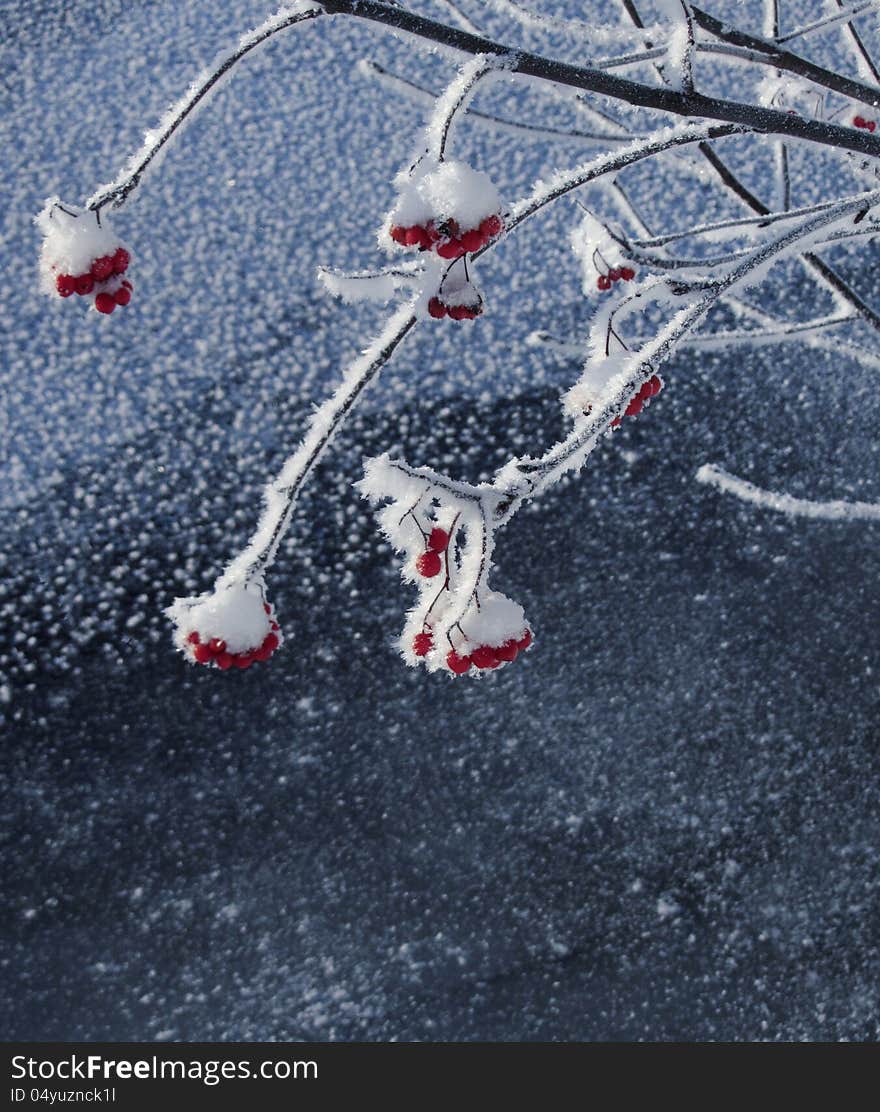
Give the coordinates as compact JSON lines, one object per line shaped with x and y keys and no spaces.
{"x":371,"y":285}
{"x":835,"y":510}
{"x":785,"y":60}
{"x":454,"y":99}
{"x":845,"y":15}
{"x":196,"y":96}
{"x":678,"y":64}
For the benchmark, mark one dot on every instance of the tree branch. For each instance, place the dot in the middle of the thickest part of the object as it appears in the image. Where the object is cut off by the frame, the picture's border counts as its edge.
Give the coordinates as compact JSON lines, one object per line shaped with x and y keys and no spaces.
{"x":686,"y":103}
{"x":836,"y":510}
{"x":784,"y":59}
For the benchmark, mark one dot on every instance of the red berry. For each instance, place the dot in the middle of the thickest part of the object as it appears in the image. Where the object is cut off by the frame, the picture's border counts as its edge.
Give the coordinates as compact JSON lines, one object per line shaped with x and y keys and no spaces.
{"x":431,"y":233}
{"x":202,"y":654}
{"x":217,"y":645}
{"x":428,"y":564}
{"x":603,"y":282}
{"x":459,"y":312}
{"x":194,"y":638}
{"x":436,"y":308}
{"x":267,"y":608}
{"x":121,"y":259}
{"x":491,"y":226}
{"x":871,"y":124}
{"x":243,"y":660}
{"x":627,"y":273}
{"x":422,"y":644}
{"x":439,"y":539}
{"x":65,"y":284}
{"x":860,"y":121}
{"x":457,"y":664}
{"x":524,"y":641}
{"x":270,"y":642}
{"x":615,"y":423}
{"x":414,"y":235}
{"x":102,"y":268}
{"x":473,"y":240}
{"x":452,"y":249}
{"x":262,"y":654}
{"x":614,"y":274}
{"x":122,"y":296}
{"x":485,"y":657}
{"x":105,"y":303}
{"x":275,"y":627}
{"x":634,"y":408}
{"x":223,"y":661}
{"x":398,"y":234}
{"x":507,"y":651}
{"x":656,"y":385}
{"x":85,"y":283}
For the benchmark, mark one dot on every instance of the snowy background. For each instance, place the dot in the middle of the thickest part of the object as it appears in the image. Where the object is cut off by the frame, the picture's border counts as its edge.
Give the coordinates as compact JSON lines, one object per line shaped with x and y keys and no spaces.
{"x":661,"y":823}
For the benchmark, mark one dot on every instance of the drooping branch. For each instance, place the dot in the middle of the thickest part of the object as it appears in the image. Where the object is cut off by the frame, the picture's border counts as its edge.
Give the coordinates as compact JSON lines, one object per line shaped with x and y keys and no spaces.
{"x":455,"y":99}
{"x":282,"y":493}
{"x":781,"y":333}
{"x":835,"y":510}
{"x":130,"y":176}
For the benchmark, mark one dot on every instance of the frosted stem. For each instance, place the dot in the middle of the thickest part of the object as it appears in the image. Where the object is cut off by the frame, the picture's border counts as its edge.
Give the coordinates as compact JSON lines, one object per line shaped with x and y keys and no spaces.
{"x":843,"y":16}
{"x":195,"y":97}
{"x":835,"y":510}
{"x":281,"y":494}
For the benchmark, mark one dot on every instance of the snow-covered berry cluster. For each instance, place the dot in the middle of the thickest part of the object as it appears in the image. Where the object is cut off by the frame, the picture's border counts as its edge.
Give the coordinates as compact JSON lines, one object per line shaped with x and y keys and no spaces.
{"x":446,"y":207}
{"x":459,"y":624}
{"x":604,"y":258}
{"x":233,"y":627}
{"x":492,"y":633}
{"x":650,"y":389}
{"x":592,"y":388}
{"x":866,"y":125}
{"x":82,"y":255}
{"x":461,"y":302}
{"x":613,"y":274}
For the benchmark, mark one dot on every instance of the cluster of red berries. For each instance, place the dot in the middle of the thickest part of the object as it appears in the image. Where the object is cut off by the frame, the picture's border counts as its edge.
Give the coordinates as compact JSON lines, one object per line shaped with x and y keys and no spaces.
{"x":486,"y":657}
{"x":101,"y":270}
{"x":650,"y":389}
{"x":430,"y":562}
{"x":867,"y":125}
{"x":439,"y":309}
{"x":615,"y":274}
{"x":214,"y":651}
{"x":447,"y":238}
